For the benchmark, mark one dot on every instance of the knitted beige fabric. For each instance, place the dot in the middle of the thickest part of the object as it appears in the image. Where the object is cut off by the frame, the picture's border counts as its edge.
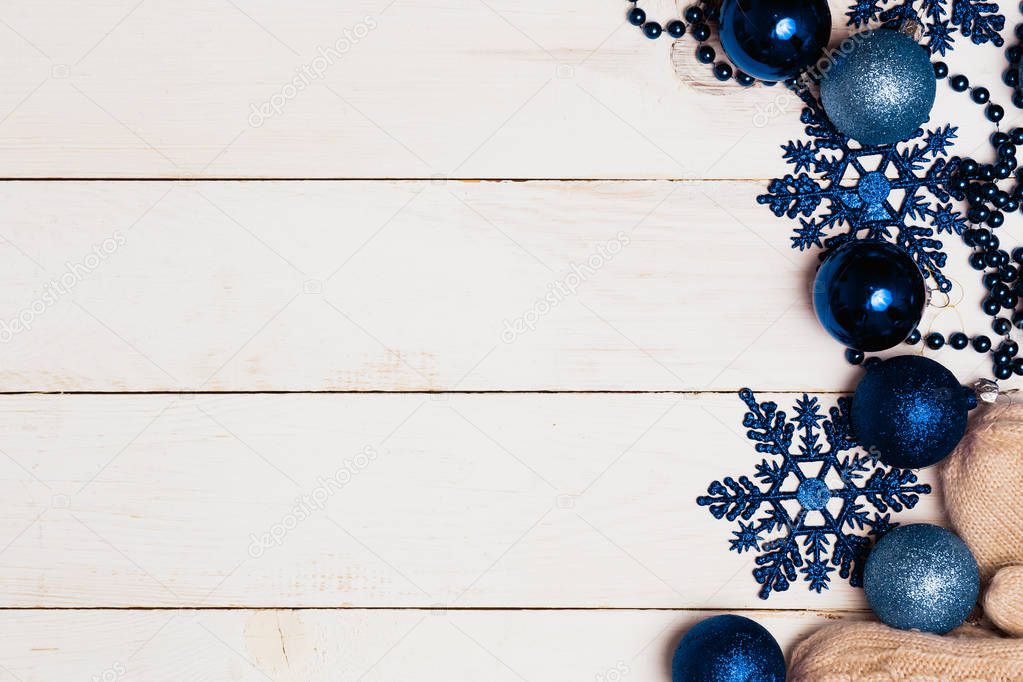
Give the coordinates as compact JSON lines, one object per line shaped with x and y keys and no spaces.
{"x":1003,"y":601}
{"x":983,"y":486}
{"x":872,"y":652}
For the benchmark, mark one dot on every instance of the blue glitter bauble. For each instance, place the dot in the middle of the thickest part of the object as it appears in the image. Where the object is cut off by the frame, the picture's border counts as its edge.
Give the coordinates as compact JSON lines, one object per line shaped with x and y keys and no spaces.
{"x":728,"y":649}
{"x":880,"y":88}
{"x":921,"y":577}
{"x":909,"y":411}
{"x":869,"y":295}
{"x":774,"y":39}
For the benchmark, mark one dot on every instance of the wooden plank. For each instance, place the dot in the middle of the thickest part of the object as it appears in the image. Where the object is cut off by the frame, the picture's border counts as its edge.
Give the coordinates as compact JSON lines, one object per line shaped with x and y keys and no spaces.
{"x":382,"y":500}
{"x":385,"y":88}
{"x":359,"y":645}
{"x":353,"y":286}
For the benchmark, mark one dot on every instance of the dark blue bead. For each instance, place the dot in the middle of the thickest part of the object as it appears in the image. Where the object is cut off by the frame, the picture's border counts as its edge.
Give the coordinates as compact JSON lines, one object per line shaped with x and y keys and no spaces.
{"x":959,"y":341}
{"x":958,"y":184}
{"x":1017,"y":319}
{"x":998,"y":139}
{"x":977,"y":261}
{"x":959,"y":83}
{"x":991,"y":306}
{"x":774,"y":40}
{"x":744,"y":79}
{"x":700,"y":31}
{"x":693,"y":15}
{"x":1017,"y":99}
{"x":913,"y":338}
{"x":969,"y":167}
{"x":675,"y":29}
{"x":1001,"y":358}
{"x":1011,"y":206}
{"x":987,"y":172}
{"x":1003,"y":169}
{"x":990,"y":280}
{"x":637,"y":17}
{"x":995,"y":219}
{"x":1017,"y":367}
{"x":1013,"y":53}
{"x":991,"y":259}
{"x":994,"y":113}
{"x":940,"y":70}
{"x":1017,"y":135}
{"x":652,"y":30}
{"x":1011,"y":77}
{"x":722,"y":71}
{"x":853,"y":356}
{"x":705,"y":54}
{"x":980,"y":95}
{"x":872,"y":362}
{"x":869,"y":295}
{"x":1010,"y":347}
{"x":1001,"y":326}
{"x":935,"y":340}
{"x":1017,"y":254}
{"x":981,"y":344}
{"x":1008,"y":273}
{"x":1003,"y":371}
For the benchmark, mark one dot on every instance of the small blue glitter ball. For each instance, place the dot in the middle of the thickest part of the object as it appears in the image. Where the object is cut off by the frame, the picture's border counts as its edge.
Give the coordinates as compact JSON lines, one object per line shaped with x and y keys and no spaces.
{"x":921,"y":577}
{"x":869,"y":295}
{"x":880,"y":88}
{"x":774,"y":39}
{"x":728,"y":649}
{"x":909,"y":411}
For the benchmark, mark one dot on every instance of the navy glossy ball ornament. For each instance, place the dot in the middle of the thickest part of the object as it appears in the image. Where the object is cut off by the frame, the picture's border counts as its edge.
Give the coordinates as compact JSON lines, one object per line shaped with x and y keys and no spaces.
{"x":880,"y":89}
{"x":774,"y":39}
{"x":921,"y":577}
{"x":869,"y":295}
{"x":910,"y":411}
{"x":728,"y":649}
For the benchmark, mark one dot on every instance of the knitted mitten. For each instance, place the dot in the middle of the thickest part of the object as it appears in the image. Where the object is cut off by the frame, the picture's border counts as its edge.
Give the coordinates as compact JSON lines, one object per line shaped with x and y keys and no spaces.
{"x":983,"y":487}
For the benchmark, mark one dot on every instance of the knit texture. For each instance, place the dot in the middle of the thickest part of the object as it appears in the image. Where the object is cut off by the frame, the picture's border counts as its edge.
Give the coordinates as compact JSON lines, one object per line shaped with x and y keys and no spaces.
{"x":983,"y":487}
{"x":872,"y":652}
{"x":1004,"y":600}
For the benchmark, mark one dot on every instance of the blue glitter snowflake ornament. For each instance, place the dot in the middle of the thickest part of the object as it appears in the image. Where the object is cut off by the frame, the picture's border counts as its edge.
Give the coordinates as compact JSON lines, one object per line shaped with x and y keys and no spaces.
{"x":870,"y":191}
{"x":807,"y":501}
{"x":976,"y":19}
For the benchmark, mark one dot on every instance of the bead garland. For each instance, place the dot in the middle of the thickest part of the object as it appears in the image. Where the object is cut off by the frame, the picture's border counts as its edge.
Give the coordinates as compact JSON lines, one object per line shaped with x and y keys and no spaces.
{"x":1010,"y":77}
{"x":976,"y":184}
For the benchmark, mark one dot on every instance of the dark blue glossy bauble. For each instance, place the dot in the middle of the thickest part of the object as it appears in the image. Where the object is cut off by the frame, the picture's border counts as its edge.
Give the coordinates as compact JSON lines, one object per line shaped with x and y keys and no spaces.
{"x":774,"y":39}
{"x":909,"y":411}
{"x":869,"y":295}
{"x":728,"y":649}
{"x":880,"y":88}
{"x":921,"y":577}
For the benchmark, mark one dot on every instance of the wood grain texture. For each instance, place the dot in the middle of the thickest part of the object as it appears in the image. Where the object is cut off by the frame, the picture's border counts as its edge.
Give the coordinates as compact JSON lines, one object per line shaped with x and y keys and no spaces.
{"x":585,"y":500}
{"x":389,"y":88}
{"x":356,"y":286}
{"x":310,"y":646}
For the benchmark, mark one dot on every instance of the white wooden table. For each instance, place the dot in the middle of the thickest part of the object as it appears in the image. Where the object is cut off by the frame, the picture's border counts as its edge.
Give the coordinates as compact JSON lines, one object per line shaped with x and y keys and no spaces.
{"x":283,"y":395}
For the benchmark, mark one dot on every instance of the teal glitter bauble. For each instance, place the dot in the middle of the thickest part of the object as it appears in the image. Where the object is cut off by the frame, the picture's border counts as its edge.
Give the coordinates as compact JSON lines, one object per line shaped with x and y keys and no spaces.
{"x":880,"y":87}
{"x":921,"y":577}
{"x":909,"y":411}
{"x":728,"y":649}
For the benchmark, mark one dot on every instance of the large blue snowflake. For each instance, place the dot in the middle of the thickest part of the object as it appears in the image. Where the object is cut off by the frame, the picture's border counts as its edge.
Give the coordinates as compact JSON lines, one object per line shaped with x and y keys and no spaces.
{"x":801,"y":513}
{"x":869,"y":190}
{"x":975,"y":19}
